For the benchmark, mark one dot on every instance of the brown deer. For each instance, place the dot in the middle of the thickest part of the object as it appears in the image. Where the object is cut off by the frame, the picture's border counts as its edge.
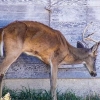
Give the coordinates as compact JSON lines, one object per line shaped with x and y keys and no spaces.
{"x":49,"y":45}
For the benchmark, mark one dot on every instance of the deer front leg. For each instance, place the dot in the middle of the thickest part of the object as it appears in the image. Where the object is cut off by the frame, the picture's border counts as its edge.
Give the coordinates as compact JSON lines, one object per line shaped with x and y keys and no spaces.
{"x":53,"y":79}
{"x":9,"y":59}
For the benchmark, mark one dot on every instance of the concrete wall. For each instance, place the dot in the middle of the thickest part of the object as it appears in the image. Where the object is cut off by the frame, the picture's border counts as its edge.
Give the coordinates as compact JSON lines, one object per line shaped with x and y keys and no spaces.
{"x":68,"y":16}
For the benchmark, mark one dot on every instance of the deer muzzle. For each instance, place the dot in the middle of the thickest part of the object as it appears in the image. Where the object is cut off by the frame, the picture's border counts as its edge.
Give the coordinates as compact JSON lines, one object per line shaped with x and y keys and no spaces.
{"x":93,"y":73}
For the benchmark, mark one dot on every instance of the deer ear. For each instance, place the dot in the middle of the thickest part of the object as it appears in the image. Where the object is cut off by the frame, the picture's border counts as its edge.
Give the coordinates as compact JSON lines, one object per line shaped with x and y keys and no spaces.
{"x":94,"y":47}
{"x":79,"y":45}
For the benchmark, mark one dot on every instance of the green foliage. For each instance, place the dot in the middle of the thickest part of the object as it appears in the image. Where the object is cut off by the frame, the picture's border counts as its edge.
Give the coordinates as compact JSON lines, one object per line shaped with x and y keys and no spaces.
{"x":30,"y":94}
{"x":68,"y":96}
{"x":93,"y":97}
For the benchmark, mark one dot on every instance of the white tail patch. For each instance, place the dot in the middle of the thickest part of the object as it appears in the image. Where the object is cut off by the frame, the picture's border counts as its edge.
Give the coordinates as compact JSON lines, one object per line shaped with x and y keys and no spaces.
{"x":1,"y":45}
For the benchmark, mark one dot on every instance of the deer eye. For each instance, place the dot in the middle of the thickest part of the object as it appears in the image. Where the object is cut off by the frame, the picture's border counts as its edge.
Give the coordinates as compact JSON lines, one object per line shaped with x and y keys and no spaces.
{"x":94,"y":59}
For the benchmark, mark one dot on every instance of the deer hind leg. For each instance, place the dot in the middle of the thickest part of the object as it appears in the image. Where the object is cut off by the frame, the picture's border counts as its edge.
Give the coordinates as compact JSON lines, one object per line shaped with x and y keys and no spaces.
{"x":53,"y":78}
{"x":11,"y":56}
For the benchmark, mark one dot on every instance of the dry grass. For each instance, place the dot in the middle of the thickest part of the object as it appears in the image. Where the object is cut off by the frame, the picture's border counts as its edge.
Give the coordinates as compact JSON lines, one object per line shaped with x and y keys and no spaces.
{"x":6,"y":97}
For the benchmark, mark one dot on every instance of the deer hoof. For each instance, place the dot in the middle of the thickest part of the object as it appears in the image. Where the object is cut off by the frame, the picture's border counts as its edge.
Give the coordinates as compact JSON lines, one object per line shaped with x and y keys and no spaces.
{"x":93,"y":74}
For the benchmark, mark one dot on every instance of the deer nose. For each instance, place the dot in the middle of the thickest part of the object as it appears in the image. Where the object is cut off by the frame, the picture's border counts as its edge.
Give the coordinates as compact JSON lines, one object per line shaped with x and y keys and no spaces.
{"x":93,"y":74}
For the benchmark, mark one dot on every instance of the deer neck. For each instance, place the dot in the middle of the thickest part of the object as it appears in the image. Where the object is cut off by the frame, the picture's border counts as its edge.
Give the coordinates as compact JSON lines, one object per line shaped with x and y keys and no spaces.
{"x":76,"y":55}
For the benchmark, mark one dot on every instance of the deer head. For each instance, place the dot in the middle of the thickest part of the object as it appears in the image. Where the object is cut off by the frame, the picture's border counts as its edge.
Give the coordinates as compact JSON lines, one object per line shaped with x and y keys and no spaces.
{"x":90,"y":60}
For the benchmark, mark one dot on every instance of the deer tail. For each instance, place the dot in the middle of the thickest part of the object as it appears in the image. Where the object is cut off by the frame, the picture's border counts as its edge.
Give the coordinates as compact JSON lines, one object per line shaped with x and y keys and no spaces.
{"x":1,"y":44}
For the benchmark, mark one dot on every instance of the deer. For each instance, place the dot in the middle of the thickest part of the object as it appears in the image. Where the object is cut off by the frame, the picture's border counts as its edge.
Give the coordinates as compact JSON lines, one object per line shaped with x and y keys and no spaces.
{"x":49,"y":45}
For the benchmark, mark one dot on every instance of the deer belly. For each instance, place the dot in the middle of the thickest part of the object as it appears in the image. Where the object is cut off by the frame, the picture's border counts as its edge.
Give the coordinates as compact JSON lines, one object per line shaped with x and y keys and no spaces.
{"x":31,"y":54}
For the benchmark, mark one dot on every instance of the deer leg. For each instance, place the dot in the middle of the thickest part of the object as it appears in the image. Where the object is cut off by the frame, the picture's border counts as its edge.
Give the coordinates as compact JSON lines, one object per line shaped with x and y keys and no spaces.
{"x":53,"y":79}
{"x":1,"y":78}
{"x":9,"y":59}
